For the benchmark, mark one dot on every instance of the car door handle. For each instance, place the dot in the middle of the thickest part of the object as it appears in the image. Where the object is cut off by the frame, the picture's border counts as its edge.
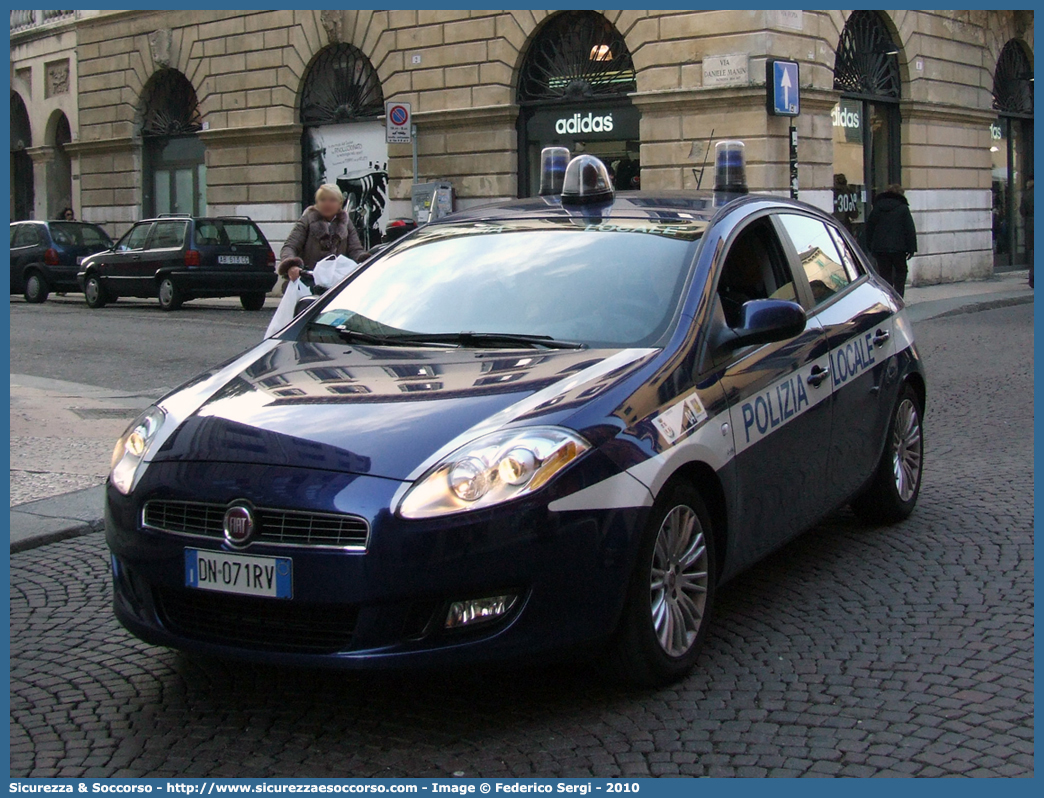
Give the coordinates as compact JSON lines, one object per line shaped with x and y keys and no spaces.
{"x":135,"y":257}
{"x":881,"y":336}
{"x":819,"y":373}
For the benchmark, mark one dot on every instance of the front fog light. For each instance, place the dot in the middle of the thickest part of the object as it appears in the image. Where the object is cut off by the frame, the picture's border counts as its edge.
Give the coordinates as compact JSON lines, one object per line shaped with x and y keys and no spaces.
{"x":476,"y":611}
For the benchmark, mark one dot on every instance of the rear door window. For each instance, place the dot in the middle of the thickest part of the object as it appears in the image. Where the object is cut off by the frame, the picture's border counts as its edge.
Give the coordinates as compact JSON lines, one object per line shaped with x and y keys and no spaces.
{"x":168,"y":235}
{"x":135,"y":239}
{"x":818,"y":256}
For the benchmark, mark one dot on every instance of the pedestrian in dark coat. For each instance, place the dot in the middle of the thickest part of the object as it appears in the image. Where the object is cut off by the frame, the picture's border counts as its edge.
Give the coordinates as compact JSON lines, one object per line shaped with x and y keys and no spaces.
{"x":890,"y":236}
{"x":324,"y":229}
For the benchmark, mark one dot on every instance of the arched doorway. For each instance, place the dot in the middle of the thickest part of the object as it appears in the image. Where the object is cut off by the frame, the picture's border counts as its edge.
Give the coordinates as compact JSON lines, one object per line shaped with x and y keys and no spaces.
{"x":866,"y":120}
{"x":572,"y":89}
{"x":22,"y":194}
{"x":343,"y":141}
{"x":175,"y":179}
{"x":59,"y":169}
{"x":1011,"y":148}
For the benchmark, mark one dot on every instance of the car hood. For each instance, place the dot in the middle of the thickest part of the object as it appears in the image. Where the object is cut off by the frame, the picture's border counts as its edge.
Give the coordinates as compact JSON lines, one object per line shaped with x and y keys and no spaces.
{"x":381,"y":411}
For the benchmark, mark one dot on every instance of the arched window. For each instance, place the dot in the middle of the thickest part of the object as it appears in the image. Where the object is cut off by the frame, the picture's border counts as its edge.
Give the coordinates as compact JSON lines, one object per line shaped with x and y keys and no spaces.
{"x":866,"y":120}
{"x":59,"y":169}
{"x":175,"y":172}
{"x":169,"y":106}
{"x":343,"y":141}
{"x":22,"y":193}
{"x":573,"y":87}
{"x":340,"y":85}
{"x":577,"y":55}
{"x":867,"y":60}
{"x":1011,"y":148}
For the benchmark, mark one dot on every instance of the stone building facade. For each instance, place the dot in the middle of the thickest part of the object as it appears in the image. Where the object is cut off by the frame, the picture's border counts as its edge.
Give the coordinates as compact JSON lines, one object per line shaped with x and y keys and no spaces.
{"x":244,"y":112}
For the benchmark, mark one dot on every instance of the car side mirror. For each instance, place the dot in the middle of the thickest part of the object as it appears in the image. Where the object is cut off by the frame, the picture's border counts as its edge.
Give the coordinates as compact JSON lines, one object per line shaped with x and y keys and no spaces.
{"x":303,"y":304}
{"x":764,"y":321}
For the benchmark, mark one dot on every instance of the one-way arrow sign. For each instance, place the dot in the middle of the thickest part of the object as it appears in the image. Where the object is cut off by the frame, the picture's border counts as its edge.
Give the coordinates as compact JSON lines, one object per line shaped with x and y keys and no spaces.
{"x":784,"y":88}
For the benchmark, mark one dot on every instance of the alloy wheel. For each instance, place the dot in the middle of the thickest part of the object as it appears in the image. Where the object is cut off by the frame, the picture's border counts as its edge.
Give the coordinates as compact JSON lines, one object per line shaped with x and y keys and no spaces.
{"x":906,"y":450}
{"x":679,"y":581}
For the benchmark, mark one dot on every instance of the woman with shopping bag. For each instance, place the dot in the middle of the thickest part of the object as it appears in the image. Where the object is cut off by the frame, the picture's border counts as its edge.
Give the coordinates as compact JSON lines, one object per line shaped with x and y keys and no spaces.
{"x":324,"y":229}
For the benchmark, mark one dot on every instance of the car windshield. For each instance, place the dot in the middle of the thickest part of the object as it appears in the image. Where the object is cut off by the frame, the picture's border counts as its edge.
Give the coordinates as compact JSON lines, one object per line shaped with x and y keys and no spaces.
{"x":598,"y":284}
{"x":79,"y":234}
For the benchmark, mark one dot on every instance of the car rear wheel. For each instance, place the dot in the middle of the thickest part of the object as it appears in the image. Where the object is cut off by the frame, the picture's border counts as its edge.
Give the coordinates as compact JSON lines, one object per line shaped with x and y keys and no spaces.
{"x":94,"y":292}
{"x":170,"y":296}
{"x":671,"y":594}
{"x":36,"y":288}
{"x":253,"y":301}
{"x":896,"y":483}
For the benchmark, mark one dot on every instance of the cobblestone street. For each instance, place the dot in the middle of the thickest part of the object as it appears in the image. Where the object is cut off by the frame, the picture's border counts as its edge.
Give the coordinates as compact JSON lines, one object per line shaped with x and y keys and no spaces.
{"x":853,"y":651}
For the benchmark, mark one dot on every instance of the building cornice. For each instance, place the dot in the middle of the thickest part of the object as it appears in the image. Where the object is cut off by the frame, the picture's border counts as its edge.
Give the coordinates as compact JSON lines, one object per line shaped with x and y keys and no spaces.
{"x":102,"y":145}
{"x":267,"y":134}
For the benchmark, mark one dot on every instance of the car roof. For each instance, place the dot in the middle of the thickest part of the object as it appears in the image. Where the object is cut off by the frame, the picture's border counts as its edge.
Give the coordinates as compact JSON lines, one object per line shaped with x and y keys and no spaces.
{"x":661,"y":207}
{"x":188,"y":218}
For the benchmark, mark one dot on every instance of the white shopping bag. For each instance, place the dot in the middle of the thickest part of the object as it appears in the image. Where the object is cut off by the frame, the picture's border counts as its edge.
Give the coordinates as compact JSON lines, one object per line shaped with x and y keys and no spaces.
{"x":285,"y":311}
{"x":331,"y":270}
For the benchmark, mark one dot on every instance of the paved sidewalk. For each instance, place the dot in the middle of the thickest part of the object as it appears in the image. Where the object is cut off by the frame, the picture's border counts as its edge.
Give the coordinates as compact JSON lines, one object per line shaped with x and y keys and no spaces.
{"x":57,"y":479}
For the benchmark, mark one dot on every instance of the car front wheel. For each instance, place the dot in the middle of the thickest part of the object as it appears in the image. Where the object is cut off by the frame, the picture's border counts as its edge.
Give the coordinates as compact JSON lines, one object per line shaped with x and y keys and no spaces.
{"x":170,"y":296}
{"x":896,"y":483}
{"x":671,"y":594}
{"x":36,"y":288}
{"x":252,"y":301}
{"x":94,"y":292}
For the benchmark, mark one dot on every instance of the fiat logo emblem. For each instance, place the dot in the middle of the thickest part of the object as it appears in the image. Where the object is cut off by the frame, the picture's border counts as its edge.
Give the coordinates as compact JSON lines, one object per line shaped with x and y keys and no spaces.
{"x":239,"y":525}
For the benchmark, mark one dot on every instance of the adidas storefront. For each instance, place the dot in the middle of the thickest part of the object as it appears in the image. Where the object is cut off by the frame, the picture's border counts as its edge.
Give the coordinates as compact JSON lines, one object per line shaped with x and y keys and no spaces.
{"x":606,"y":130}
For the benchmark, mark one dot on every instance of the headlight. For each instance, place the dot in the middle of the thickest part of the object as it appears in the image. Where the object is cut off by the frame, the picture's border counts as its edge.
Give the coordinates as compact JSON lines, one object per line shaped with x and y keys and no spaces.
{"x":131,"y":448}
{"x":493,"y":469}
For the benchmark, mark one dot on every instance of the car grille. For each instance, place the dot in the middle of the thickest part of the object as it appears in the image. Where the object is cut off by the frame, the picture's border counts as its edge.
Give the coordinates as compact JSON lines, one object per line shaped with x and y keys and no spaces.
{"x":281,"y":527}
{"x":265,"y":624}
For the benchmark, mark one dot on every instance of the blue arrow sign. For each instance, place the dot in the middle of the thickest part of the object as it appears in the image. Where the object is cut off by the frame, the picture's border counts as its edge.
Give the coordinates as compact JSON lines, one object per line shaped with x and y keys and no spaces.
{"x":784,"y":87}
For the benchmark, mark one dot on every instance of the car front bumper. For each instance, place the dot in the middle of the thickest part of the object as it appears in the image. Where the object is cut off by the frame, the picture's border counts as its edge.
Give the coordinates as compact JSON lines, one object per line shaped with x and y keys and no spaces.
{"x":385,"y":607}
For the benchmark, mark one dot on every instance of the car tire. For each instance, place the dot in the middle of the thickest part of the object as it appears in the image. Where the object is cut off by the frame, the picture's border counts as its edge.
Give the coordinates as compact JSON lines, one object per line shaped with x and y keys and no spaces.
{"x":94,"y":292}
{"x":170,"y":296}
{"x":254,"y":300}
{"x":36,"y":288}
{"x":650,"y":648}
{"x":896,"y":483}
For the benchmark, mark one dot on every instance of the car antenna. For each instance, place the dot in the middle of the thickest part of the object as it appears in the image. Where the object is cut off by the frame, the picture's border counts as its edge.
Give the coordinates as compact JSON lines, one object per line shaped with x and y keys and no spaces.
{"x":706,"y":154}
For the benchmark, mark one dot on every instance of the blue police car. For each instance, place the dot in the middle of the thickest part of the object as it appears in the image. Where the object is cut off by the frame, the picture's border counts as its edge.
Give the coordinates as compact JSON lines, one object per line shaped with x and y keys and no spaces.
{"x":546,"y":425}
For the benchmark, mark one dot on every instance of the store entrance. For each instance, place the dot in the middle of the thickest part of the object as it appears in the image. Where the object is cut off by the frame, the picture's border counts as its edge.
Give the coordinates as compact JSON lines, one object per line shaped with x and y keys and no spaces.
{"x":607,"y":131}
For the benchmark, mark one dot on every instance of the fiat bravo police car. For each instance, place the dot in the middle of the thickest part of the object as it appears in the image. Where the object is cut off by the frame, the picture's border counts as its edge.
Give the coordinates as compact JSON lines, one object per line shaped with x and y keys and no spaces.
{"x":543,"y":426}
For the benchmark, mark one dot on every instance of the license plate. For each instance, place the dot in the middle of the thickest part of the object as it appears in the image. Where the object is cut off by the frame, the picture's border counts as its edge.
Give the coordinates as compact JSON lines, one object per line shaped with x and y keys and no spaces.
{"x":242,"y":574}
{"x":240,"y":260}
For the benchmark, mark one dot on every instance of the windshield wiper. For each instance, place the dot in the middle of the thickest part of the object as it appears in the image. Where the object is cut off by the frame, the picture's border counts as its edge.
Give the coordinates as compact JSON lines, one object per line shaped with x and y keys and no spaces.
{"x":358,"y":337}
{"x":490,"y":340}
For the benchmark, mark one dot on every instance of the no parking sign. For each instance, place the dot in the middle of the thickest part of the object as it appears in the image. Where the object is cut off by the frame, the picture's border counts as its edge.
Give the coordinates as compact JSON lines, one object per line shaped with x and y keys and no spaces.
{"x":397,"y":118}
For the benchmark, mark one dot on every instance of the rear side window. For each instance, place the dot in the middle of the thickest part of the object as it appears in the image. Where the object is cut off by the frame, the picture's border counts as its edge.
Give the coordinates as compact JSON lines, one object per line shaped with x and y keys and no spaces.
{"x":135,"y":239}
{"x":818,"y":255}
{"x":223,"y":232}
{"x":168,"y":235}
{"x":28,"y":235}
{"x":86,"y":235}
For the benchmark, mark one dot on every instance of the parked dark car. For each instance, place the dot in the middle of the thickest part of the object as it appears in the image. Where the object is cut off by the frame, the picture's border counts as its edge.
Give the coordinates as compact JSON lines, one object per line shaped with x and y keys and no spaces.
{"x":543,"y":425}
{"x":178,"y":258}
{"x":45,"y":256}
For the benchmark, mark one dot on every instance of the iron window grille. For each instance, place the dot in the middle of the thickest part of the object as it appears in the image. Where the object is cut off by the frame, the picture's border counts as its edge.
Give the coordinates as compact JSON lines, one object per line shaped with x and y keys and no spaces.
{"x":578,"y":55}
{"x":1013,"y":81}
{"x":169,"y":106}
{"x":867,"y":59}
{"x":341,"y":85}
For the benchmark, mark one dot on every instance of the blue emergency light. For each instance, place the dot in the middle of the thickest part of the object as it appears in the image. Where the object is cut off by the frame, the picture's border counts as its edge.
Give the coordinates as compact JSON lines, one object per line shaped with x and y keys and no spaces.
{"x":730,"y":171}
{"x":586,"y":180}
{"x":553,"y":162}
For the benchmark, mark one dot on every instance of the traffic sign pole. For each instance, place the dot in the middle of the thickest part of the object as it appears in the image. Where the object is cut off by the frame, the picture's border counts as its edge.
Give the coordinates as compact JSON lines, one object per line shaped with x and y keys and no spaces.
{"x":413,"y":135}
{"x":793,"y":162}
